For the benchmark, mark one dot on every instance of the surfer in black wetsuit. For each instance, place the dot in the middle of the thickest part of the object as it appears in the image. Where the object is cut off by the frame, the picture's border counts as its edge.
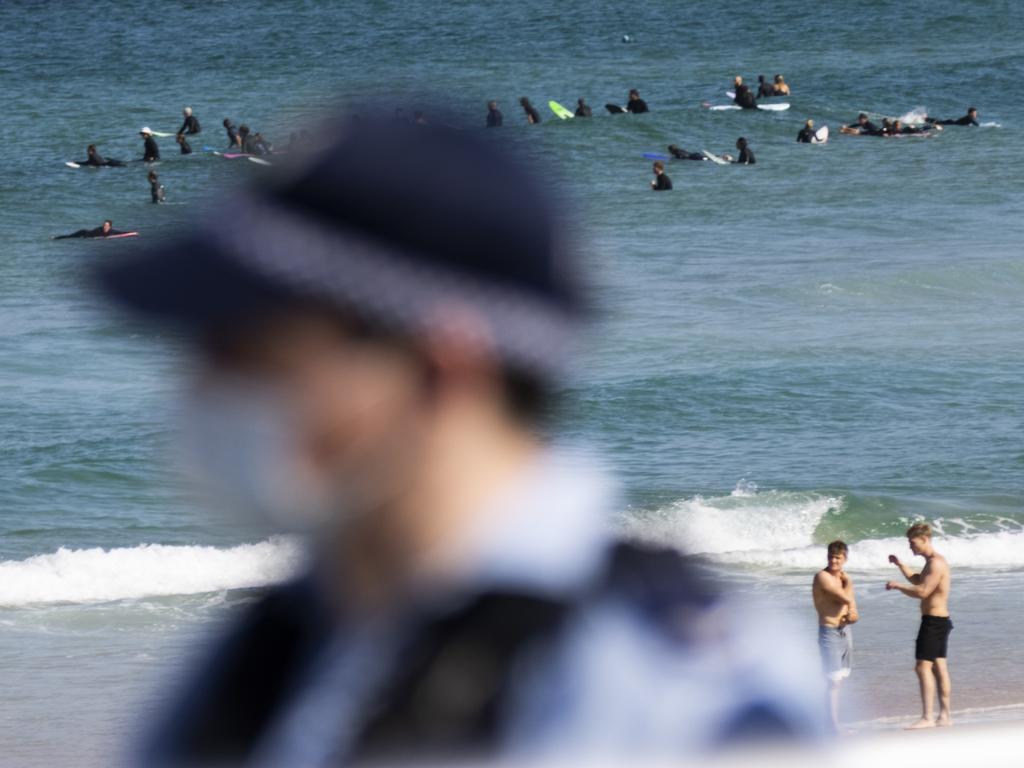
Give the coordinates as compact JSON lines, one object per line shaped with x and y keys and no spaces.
{"x":532,"y":116}
{"x":764,"y":88}
{"x":863,"y":127}
{"x":806,"y":134}
{"x":156,"y":189}
{"x":661,"y":182}
{"x":245,"y":140}
{"x":636,"y":105}
{"x":971,"y":118}
{"x":104,"y":230}
{"x":582,"y":110}
{"x":191,"y":124}
{"x":232,"y":133}
{"x":150,"y":152}
{"x":744,"y":97}
{"x":494,"y":116}
{"x":681,"y":154}
{"x":96,"y":160}
{"x":260,"y":146}
{"x":186,"y":148}
{"x":746,"y":156}
{"x":897,"y":128}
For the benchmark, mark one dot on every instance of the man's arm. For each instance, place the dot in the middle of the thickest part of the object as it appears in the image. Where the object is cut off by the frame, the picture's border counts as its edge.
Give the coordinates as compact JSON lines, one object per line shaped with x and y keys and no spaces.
{"x":924,"y":583}
{"x":913,"y":578}
{"x":829,"y":587}
{"x":851,"y":616}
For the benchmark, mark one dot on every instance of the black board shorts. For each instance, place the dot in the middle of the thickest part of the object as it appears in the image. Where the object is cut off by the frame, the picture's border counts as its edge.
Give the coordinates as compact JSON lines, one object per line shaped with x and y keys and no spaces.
{"x":933,"y":638}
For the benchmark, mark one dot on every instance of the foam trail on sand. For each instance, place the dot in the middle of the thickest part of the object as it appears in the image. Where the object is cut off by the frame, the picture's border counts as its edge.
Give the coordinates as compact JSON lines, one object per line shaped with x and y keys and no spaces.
{"x":148,"y":570}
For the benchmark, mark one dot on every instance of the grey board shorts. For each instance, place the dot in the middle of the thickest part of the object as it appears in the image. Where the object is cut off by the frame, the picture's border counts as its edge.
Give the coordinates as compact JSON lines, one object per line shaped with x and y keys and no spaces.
{"x":836,"y":646}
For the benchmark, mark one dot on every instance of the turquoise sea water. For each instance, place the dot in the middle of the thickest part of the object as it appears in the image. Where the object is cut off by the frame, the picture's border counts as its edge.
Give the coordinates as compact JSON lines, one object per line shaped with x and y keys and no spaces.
{"x":825,"y":344}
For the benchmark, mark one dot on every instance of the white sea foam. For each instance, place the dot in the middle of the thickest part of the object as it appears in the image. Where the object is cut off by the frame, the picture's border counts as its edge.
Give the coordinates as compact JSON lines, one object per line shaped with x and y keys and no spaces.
{"x":148,"y":570}
{"x":776,"y":530}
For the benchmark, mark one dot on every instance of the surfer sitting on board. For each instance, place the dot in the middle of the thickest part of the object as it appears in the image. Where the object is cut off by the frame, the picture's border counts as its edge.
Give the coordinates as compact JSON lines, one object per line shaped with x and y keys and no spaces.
{"x":191,"y":123}
{"x":764,"y":88}
{"x":150,"y":151}
{"x":104,"y":230}
{"x":779,"y":87}
{"x":744,"y":96}
{"x":746,"y":156}
{"x":636,"y":105}
{"x":532,"y":115}
{"x":863,"y":127}
{"x":971,"y":118}
{"x":582,"y":110}
{"x":95,"y":159}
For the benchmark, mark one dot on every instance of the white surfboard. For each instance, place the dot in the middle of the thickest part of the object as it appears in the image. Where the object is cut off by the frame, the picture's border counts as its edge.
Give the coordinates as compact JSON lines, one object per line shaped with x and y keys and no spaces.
{"x":259,"y":161}
{"x":820,"y":135}
{"x":70,"y":164}
{"x":765,"y":107}
{"x":714,"y":158}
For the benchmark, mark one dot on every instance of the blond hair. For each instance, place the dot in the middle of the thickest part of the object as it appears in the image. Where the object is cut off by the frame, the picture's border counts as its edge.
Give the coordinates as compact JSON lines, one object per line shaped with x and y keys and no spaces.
{"x":919,"y":529}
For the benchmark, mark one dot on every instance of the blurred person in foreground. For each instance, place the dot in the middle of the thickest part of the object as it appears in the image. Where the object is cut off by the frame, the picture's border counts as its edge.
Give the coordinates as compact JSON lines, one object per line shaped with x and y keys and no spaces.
{"x":380,"y":336}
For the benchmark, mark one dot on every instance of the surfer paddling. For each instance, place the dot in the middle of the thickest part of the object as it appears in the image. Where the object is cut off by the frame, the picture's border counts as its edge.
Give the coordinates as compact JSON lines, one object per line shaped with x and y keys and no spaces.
{"x":971,"y":118}
{"x":832,"y":592}
{"x":96,"y":160}
{"x":863,"y":127}
{"x":106,"y":229}
{"x":931,"y":587}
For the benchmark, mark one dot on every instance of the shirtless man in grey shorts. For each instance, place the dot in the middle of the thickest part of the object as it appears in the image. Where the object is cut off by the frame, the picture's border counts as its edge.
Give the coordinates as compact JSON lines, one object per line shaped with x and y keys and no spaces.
{"x":931,"y":587}
{"x":837,"y":609}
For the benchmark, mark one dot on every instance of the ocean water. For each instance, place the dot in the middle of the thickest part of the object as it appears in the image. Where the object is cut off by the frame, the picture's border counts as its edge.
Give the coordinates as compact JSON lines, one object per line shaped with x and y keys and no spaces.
{"x":827,"y":344}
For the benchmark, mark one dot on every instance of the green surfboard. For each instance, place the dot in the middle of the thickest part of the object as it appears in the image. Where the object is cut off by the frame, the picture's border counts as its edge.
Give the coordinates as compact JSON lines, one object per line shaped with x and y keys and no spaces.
{"x":560,"y":111}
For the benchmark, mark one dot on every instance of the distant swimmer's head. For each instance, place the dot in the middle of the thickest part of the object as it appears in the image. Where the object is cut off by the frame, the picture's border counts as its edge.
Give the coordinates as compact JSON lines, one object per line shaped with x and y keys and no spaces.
{"x":492,"y":104}
{"x":659,"y":167}
{"x":151,"y":176}
{"x":145,"y":131}
{"x":738,"y":80}
{"x":741,"y":143}
{"x":107,"y":226}
{"x":862,"y":118}
{"x":227,"y":122}
{"x":760,"y":78}
{"x":778,"y":79}
{"x":524,"y":101}
{"x":897,"y":124}
{"x":180,"y":138}
{"x":809,"y":123}
{"x":581,"y":102}
{"x":91,"y":149}
{"x":187,"y":111}
{"x":243,"y":129}
{"x":972,"y":112}
{"x":634,"y":94}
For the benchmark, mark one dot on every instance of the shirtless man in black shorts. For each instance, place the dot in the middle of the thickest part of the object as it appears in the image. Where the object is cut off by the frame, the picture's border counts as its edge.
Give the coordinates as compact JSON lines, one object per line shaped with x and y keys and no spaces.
{"x":931,"y":587}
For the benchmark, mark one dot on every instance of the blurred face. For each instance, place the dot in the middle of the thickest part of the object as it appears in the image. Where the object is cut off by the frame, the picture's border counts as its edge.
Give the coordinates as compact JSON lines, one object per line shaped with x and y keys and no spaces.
{"x":345,"y":415}
{"x":106,"y":226}
{"x":836,"y":562}
{"x":918,"y":544}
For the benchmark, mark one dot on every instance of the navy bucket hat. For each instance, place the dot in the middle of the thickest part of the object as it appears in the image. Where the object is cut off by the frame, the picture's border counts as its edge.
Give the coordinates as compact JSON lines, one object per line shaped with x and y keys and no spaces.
{"x":392,"y":223}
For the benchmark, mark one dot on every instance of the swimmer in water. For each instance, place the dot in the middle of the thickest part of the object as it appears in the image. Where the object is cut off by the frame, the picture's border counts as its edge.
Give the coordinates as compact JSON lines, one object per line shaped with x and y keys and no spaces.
{"x":106,"y":229}
{"x":532,"y":116}
{"x":746,"y":156}
{"x":186,"y":148}
{"x":661,"y":181}
{"x":971,"y":118}
{"x":636,"y":105}
{"x":191,"y":124}
{"x":150,"y":152}
{"x":582,"y":110}
{"x":764,"y":88}
{"x":779,"y":87}
{"x":156,"y":189}
{"x":494,"y":116}
{"x":806,"y":134}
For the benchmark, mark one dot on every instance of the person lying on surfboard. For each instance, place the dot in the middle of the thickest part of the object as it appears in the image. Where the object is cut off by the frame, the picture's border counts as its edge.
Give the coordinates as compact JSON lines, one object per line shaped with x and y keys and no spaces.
{"x":636,"y":105}
{"x":106,"y":229}
{"x":971,"y":118}
{"x":582,"y":110}
{"x":897,"y":128}
{"x":863,"y":127}
{"x":681,"y":154}
{"x":95,"y":159}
